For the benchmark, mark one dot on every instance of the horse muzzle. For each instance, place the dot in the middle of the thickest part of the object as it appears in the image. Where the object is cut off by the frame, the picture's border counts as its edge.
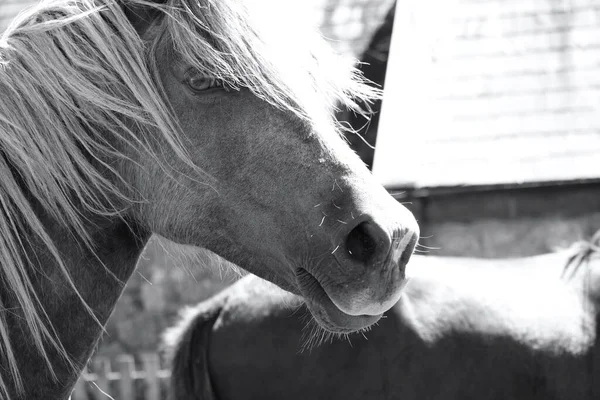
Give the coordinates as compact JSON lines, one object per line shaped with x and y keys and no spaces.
{"x":363,"y":278}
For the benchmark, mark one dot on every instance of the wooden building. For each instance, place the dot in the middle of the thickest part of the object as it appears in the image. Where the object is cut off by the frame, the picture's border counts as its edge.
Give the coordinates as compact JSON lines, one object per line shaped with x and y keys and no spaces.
{"x":491,"y":123}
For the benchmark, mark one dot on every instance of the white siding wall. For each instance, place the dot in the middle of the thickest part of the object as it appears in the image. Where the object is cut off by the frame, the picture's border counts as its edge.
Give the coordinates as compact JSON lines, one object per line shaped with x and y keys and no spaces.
{"x":492,"y":91}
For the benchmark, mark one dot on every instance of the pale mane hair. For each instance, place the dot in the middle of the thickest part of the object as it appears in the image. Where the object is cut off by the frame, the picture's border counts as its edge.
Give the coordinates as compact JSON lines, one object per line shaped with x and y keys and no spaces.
{"x":74,"y":73}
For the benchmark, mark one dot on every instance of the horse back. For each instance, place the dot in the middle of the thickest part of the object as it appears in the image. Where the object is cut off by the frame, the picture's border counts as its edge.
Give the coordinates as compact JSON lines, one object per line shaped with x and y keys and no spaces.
{"x":187,"y":349}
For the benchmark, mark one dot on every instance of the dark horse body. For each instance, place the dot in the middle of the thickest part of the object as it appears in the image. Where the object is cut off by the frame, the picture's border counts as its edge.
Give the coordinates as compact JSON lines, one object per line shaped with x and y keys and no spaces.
{"x":192,"y":120}
{"x":373,"y":66}
{"x":463,"y":329}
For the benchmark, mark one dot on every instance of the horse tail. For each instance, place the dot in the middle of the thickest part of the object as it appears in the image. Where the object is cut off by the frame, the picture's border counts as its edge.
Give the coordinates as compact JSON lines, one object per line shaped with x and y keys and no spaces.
{"x":187,"y":346}
{"x":582,"y":252}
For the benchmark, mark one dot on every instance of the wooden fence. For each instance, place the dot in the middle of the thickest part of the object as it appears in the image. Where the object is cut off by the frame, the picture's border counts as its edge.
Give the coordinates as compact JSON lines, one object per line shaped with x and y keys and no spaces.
{"x":126,"y":383}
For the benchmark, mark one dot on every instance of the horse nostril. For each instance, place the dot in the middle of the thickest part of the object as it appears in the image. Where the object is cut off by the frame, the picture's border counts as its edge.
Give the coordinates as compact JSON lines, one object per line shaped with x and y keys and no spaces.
{"x":361,"y":243}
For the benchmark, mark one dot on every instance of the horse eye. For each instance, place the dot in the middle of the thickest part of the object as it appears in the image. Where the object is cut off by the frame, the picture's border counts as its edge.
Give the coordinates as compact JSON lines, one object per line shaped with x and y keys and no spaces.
{"x":198,"y":82}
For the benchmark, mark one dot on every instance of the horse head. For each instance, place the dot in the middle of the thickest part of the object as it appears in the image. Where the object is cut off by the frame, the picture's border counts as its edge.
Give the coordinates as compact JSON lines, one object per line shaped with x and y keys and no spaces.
{"x":194,"y":120}
{"x":266,"y":181}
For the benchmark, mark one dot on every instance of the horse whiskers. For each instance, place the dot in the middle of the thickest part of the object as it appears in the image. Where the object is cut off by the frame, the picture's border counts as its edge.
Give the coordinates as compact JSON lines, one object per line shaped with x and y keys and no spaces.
{"x":296,"y":308}
{"x":427,"y":247}
{"x":322,"y":220}
{"x":313,"y":335}
{"x":335,"y":183}
{"x":582,"y":252}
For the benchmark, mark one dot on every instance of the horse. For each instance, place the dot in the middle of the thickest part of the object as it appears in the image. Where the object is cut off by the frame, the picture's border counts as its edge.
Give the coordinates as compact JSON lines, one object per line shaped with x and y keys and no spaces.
{"x":201,"y":121}
{"x":373,"y":66}
{"x":463,"y":328}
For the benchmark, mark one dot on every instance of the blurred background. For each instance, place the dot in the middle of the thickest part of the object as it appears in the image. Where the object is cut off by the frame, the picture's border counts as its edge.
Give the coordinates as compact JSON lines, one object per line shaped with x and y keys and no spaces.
{"x":489,"y":132}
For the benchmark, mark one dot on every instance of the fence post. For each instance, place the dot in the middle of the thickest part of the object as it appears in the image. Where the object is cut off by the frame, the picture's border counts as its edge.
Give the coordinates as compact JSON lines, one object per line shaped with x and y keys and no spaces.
{"x":102,"y":369}
{"x":126,"y":383}
{"x":151,"y":365}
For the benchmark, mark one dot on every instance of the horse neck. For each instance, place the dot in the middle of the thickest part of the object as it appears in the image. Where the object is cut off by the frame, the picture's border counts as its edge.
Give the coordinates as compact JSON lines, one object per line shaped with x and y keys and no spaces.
{"x":117,"y":247}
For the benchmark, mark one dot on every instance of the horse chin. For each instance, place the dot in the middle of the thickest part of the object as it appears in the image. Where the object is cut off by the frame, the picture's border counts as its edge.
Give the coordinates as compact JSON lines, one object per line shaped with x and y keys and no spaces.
{"x":325,"y":312}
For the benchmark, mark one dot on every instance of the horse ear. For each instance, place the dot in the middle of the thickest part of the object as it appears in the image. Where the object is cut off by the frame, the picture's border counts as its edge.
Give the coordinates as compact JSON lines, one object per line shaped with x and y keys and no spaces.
{"x":141,"y":16}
